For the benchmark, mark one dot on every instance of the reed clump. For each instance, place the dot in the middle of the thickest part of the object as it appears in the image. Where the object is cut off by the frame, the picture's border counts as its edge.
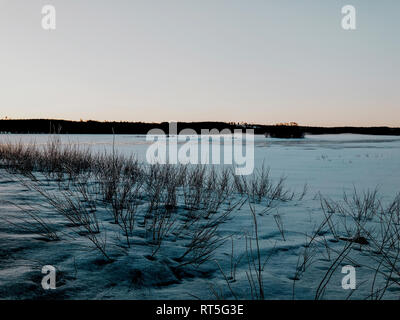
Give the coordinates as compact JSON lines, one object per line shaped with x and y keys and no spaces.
{"x":173,"y":203}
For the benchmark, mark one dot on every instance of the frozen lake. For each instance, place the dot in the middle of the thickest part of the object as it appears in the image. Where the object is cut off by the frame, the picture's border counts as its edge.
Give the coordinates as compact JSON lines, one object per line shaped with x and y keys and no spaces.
{"x":327,"y":163}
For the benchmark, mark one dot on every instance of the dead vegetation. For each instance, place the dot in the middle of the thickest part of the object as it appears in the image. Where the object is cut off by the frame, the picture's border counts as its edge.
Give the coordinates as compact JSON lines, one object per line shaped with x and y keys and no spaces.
{"x":364,"y":233}
{"x":92,"y":191}
{"x":189,"y":204}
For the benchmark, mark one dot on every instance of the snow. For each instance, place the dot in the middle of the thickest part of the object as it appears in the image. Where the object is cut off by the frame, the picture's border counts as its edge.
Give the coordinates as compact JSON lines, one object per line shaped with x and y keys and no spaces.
{"x":329,"y":164}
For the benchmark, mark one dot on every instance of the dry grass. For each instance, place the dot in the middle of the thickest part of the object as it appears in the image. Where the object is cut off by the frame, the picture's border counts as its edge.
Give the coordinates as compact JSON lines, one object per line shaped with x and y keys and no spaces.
{"x":189,"y":204}
{"x":184,"y":204}
{"x":360,"y":222}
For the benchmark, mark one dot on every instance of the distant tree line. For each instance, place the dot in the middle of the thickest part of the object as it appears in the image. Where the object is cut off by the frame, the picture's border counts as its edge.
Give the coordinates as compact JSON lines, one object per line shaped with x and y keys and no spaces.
{"x":282,"y":130}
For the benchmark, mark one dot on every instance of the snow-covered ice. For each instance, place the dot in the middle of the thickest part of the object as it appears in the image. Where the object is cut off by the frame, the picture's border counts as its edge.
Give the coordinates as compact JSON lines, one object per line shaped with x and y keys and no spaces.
{"x":329,"y":164}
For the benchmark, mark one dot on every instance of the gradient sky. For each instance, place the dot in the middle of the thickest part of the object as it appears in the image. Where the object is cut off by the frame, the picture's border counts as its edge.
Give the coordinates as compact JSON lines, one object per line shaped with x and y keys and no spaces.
{"x":257,"y":61}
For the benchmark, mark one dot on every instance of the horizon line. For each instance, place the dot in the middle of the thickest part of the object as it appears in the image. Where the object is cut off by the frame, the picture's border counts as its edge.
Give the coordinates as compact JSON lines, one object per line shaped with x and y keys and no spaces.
{"x":289,"y":123}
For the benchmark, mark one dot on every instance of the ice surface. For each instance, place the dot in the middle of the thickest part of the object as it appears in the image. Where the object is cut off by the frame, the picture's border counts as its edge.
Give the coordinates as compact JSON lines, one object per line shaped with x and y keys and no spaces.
{"x":329,"y":164}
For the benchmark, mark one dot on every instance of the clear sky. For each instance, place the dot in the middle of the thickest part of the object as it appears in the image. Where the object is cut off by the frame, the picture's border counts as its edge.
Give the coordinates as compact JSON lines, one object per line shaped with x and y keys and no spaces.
{"x":258,"y":61}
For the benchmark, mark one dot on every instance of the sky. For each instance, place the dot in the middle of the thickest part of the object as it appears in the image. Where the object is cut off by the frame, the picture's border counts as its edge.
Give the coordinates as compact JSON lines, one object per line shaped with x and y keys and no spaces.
{"x":257,"y":61}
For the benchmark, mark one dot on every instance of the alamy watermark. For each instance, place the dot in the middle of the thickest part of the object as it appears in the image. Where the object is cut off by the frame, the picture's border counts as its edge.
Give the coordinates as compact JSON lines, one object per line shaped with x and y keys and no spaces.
{"x":349,"y":280}
{"x":349,"y":19}
{"x":49,"y":280}
{"x":48,"y":17}
{"x":188,"y":147}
